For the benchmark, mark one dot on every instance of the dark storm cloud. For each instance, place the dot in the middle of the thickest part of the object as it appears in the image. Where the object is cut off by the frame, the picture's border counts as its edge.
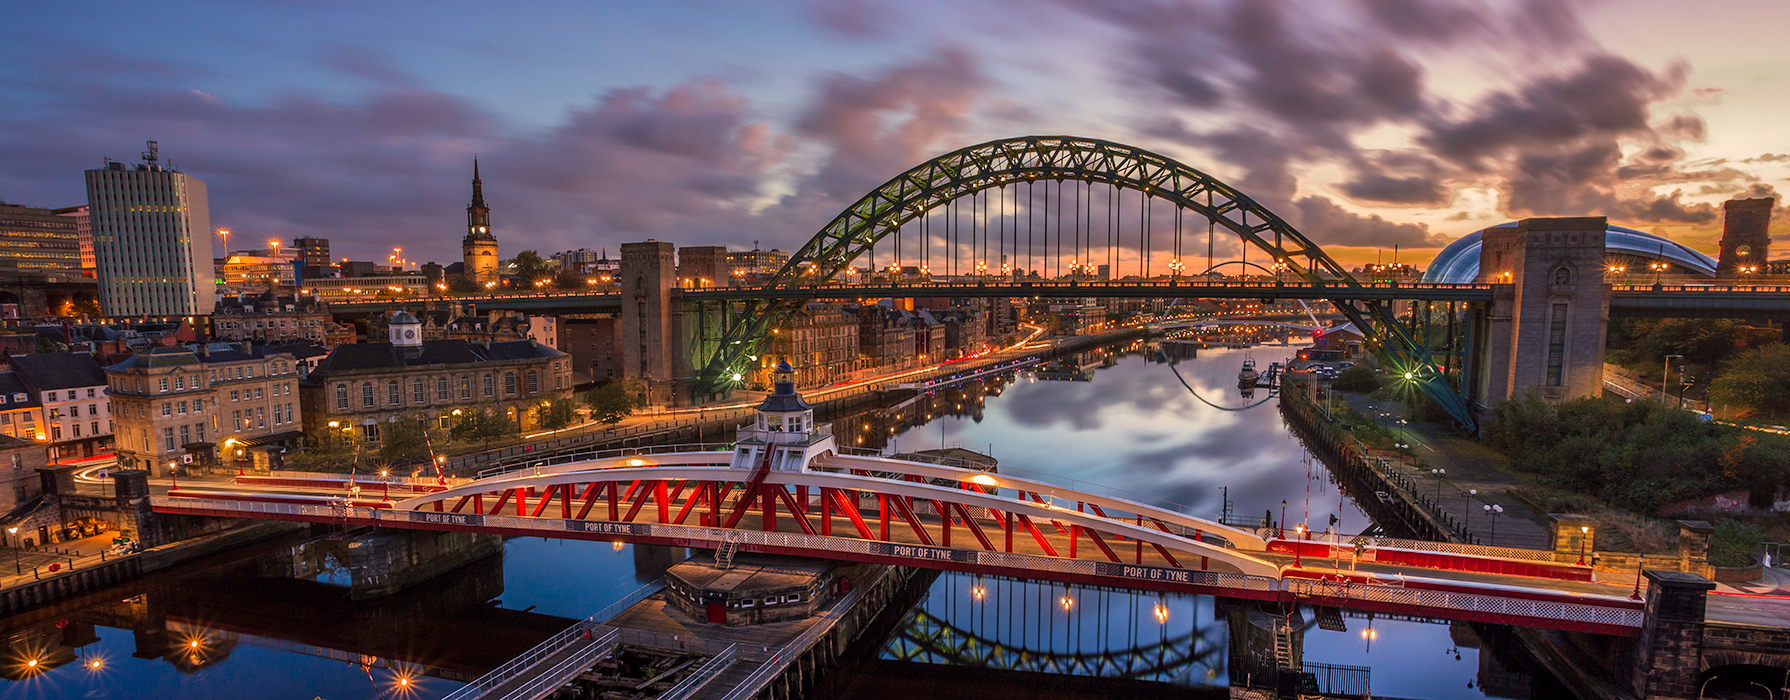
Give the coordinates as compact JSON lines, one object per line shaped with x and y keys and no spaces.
{"x":1322,"y":220}
{"x":1277,"y":88}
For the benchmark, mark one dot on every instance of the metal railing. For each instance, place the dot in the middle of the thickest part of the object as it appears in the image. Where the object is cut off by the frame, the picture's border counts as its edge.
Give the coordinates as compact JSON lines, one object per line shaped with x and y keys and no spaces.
{"x":702,"y":675}
{"x":1339,"y":679}
{"x":588,"y":455}
{"x":552,"y":645}
{"x":788,"y":654}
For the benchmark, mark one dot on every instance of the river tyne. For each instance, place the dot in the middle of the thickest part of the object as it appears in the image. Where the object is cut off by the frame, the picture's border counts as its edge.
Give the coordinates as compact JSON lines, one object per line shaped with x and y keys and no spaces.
{"x":272,"y":621}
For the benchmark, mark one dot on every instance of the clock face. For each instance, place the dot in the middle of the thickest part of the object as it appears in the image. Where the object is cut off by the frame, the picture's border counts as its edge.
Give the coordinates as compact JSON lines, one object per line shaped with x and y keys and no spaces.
{"x":409,"y":334}
{"x":1743,"y":250}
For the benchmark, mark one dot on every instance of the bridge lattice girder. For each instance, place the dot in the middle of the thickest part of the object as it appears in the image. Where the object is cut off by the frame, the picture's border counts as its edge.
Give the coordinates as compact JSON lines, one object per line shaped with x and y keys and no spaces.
{"x":708,"y":495}
{"x":969,"y":170}
{"x":926,"y":638}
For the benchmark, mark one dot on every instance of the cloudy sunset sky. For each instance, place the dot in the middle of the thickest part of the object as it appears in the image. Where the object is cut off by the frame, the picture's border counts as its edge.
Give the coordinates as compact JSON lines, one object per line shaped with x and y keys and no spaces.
{"x":1366,"y":123}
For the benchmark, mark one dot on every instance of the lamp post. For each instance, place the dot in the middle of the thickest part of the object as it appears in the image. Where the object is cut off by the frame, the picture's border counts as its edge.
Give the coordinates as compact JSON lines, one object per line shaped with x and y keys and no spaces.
{"x":1493,"y":511}
{"x":1664,"y":372}
{"x":1584,"y":530}
{"x":1468,"y":509}
{"x":13,"y":533}
{"x":1438,"y":474}
{"x":1280,"y":528}
{"x":385,"y":484}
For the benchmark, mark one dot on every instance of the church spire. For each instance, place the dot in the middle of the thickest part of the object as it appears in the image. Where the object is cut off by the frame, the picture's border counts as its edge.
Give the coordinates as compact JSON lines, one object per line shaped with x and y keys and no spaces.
{"x":478,"y":187}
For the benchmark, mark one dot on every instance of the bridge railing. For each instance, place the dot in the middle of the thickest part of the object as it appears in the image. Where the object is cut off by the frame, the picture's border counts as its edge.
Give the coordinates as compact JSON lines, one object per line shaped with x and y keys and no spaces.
{"x":552,"y":645}
{"x":587,"y":455}
{"x":1472,"y":602}
{"x":702,"y":675}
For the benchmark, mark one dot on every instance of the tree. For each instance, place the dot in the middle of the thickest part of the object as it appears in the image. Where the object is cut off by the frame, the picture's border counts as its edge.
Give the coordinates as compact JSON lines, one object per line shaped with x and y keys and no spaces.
{"x":404,"y":441}
{"x":320,"y":454}
{"x":612,"y":402}
{"x":462,"y":285}
{"x":530,"y":267}
{"x":553,"y":415}
{"x":483,"y":425}
{"x":570,"y":280}
{"x":1757,"y":380}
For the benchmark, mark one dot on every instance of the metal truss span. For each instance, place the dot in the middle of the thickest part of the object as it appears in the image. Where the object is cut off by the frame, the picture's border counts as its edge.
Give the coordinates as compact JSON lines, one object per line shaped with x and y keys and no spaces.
{"x":967,"y":171}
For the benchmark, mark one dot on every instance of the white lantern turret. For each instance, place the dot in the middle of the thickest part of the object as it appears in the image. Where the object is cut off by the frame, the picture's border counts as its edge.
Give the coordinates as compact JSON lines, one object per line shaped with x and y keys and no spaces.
{"x":783,"y":429}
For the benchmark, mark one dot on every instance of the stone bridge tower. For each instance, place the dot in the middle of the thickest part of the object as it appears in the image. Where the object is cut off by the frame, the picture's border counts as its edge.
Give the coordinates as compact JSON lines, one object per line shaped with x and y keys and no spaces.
{"x":1550,"y":309}
{"x":651,"y":320}
{"x":1746,"y":239}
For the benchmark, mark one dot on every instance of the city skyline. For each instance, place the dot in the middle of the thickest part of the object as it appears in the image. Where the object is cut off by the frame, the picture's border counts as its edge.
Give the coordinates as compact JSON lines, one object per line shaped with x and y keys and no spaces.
{"x":1377,"y":124}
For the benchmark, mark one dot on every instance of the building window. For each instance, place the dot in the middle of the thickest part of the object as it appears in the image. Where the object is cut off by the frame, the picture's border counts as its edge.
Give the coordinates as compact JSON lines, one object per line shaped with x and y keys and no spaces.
{"x":261,"y":417}
{"x":509,"y":383}
{"x":90,"y":393}
{"x":366,"y":395}
{"x":369,"y":433}
{"x":167,"y":409}
{"x":95,"y":427}
{"x":201,"y":430}
{"x":341,"y":397}
{"x":50,"y":397}
{"x":490,"y":383}
{"x":260,"y":392}
{"x":236,"y":420}
{"x":465,"y":387}
{"x":416,"y":392}
{"x":180,"y":407}
{"x":441,"y":389}
{"x":168,"y":439}
{"x":233,"y":395}
{"x":75,"y":430}
{"x":180,"y":383}
{"x":1557,"y":346}
{"x":186,"y":435}
{"x":1562,"y":276}
{"x":392,"y":396}
{"x":534,"y":382}
{"x":162,"y":384}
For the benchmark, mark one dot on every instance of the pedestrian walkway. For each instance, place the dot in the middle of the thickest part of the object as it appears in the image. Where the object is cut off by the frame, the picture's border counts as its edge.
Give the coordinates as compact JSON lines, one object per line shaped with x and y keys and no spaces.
{"x":22,"y":566}
{"x":1470,"y":467}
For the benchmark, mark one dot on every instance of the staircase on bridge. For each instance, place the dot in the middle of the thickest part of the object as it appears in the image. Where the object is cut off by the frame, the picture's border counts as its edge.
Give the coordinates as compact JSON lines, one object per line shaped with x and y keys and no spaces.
{"x":1284,"y":658}
{"x":724,"y":555}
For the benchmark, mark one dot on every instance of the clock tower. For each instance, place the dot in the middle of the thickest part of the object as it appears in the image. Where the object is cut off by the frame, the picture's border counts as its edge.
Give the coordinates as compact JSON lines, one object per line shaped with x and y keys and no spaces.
{"x":479,"y":248}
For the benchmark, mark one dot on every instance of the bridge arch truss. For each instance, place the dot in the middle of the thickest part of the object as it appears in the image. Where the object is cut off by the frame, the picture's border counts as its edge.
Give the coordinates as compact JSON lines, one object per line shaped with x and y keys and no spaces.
{"x":911,"y":195}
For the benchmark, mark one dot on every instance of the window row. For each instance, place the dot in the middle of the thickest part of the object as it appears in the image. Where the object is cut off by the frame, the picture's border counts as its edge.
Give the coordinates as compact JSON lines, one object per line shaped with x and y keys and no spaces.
{"x":419,"y":389}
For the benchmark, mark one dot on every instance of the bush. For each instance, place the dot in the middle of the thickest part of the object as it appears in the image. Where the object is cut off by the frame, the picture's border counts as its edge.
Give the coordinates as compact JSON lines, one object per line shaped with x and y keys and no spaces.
{"x":1360,"y":378}
{"x":1734,"y":543}
{"x":1637,"y":456}
{"x":1757,"y":380}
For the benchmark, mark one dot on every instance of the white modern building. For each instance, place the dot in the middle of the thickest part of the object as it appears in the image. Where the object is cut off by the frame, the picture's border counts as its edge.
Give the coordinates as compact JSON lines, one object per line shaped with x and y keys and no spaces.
{"x":151,"y":240}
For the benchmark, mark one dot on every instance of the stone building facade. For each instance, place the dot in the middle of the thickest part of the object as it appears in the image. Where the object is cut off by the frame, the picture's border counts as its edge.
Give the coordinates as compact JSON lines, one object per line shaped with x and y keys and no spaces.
{"x":362,"y":386}
{"x":76,"y":420}
{"x":1746,"y":236}
{"x":820,"y":342}
{"x":212,"y":405}
{"x":278,"y":320}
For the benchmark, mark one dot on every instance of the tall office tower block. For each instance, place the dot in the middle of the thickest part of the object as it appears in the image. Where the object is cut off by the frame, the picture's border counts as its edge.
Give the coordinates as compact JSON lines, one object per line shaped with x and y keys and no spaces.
{"x":151,"y":240}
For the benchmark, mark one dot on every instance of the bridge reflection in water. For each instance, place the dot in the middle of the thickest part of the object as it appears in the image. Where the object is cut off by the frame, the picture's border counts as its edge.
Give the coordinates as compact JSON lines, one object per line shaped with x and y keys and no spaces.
{"x":1015,"y":625}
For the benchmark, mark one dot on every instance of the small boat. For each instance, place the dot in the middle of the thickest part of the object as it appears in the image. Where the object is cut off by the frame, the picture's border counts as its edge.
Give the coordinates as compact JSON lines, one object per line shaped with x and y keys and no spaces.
{"x":1248,"y":375}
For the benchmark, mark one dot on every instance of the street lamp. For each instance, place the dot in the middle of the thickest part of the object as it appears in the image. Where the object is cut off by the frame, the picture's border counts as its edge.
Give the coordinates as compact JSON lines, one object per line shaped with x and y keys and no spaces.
{"x":13,"y":532}
{"x":1493,"y":511}
{"x":1666,"y":371}
{"x":1438,"y":474}
{"x":1584,"y":531}
{"x":1280,"y":528}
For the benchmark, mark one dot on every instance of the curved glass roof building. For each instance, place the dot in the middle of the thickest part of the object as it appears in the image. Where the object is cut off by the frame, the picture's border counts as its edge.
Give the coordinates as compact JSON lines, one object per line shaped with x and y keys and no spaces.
{"x":1459,"y":262}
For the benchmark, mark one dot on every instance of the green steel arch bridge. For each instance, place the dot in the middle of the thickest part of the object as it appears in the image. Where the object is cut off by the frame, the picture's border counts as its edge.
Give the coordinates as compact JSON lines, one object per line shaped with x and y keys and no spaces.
{"x":1061,"y":217}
